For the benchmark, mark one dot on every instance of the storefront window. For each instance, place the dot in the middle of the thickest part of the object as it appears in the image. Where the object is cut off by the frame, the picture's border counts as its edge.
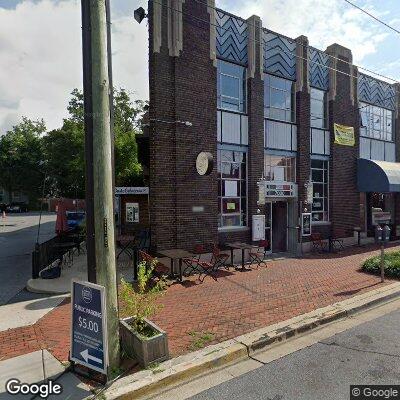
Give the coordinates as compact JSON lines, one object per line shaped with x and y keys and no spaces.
{"x":280,"y":168}
{"x":320,"y":182}
{"x":232,"y":189}
{"x":318,"y":109}
{"x":231,"y":87}
{"x":279,"y":99}
{"x":376,"y":122}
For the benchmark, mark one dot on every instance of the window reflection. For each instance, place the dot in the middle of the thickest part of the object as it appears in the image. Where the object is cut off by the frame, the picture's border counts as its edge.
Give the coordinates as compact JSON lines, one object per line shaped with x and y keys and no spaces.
{"x":231,"y":87}
{"x":232,"y":188}
{"x":376,"y":122}
{"x":318,"y":109}
{"x":280,"y":168}
{"x":279,"y":99}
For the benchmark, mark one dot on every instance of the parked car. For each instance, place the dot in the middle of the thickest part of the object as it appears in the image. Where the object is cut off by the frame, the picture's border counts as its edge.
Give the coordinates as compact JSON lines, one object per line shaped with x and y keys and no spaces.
{"x":75,"y":218}
{"x":17,"y":208}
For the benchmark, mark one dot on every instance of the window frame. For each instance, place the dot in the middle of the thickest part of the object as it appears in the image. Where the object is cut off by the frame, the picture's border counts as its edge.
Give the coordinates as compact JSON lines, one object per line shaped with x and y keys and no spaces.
{"x":293,"y":166}
{"x":325,"y":196}
{"x":243,"y":212}
{"x":269,"y":89}
{"x":325,"y":111}
{"x":242,"y":99}
{"x":368,"y":111}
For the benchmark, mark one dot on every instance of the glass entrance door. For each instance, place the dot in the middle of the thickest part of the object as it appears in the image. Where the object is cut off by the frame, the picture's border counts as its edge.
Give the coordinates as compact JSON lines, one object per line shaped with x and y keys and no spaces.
{"x":268,"y":225}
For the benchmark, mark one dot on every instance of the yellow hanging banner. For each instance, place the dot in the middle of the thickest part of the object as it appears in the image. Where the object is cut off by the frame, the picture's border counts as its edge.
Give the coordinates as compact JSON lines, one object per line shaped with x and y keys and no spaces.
{"x":344,"y":135}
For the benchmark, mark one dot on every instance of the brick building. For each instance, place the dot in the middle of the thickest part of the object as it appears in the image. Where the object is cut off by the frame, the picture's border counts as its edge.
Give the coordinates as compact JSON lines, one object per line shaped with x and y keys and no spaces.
{"x":264,"y":106}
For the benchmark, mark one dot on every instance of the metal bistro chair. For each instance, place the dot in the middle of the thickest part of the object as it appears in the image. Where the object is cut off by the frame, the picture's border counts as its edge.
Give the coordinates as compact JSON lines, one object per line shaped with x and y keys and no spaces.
{"x":258,"y":256}
{"x":193,"y":264}
{"x":319,"y":245}
{"x":218,"y":261}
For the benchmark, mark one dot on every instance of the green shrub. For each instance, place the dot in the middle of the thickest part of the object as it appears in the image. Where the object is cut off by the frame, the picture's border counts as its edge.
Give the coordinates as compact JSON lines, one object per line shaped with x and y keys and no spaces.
{"x":391,"y":262}
{"x":142,"y":302}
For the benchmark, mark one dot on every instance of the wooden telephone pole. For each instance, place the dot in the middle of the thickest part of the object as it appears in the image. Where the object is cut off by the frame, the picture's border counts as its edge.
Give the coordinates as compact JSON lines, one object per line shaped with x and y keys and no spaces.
{"x":99,"y":163}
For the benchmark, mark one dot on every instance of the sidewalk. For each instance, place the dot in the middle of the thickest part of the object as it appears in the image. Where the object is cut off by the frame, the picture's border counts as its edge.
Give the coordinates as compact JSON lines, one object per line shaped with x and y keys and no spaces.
{"x":196,"y":315}
{"x":240,"y":302}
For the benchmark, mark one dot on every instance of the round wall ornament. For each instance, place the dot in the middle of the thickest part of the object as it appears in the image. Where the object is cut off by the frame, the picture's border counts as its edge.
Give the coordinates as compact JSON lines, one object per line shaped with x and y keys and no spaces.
{"x":204,"y":163}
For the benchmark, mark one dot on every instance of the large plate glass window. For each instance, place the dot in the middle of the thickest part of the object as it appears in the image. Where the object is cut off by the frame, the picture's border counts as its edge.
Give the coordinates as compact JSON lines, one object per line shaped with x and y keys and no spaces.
{"x":320,"y":182}
{"x":376,"y":122}
{"x":279,"y":99}
{"x":318,"y":109}
{"x":280,"y":168}
{"x":232,"y":188}
{"x":231,"y":87}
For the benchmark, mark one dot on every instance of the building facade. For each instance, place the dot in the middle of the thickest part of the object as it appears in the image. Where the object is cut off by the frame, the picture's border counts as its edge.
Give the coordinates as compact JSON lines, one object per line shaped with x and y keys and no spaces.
{"x":264,"y":106}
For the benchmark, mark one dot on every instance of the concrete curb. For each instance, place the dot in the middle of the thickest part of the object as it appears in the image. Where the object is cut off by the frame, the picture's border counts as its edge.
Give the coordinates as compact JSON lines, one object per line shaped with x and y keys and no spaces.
{"x":176,"y":370}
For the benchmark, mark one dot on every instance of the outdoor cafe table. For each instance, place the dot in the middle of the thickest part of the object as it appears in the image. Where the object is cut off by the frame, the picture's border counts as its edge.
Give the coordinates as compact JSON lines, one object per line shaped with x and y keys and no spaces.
{"x":240,"y":246}
{"x":176,"y":254}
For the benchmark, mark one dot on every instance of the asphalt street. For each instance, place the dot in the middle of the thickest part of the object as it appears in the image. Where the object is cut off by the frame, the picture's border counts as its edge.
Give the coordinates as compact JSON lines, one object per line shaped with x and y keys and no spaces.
{"x":366,"y":354}
{"x":18,"y":233}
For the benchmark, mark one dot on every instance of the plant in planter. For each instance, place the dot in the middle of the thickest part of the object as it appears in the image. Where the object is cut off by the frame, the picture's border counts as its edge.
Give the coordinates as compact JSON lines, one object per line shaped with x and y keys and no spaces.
{"x":141,"y":338}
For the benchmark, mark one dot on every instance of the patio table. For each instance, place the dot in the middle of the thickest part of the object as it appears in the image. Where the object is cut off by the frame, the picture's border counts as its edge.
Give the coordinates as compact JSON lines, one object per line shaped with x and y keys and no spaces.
{"x":240,"y":246}
{"x":176,"y":254}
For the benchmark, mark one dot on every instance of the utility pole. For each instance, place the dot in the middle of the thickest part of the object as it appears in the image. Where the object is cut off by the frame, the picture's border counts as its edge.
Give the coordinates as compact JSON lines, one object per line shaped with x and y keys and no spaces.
{"x":101,"y":168}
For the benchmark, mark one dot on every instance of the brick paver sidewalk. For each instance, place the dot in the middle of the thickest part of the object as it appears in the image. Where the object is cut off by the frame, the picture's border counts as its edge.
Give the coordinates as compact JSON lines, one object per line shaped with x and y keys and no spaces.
{"x":238,"y":303}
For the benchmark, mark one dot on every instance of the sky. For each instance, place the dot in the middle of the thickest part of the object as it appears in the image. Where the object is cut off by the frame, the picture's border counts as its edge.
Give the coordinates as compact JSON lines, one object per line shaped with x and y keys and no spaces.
{"x":41,"y":56}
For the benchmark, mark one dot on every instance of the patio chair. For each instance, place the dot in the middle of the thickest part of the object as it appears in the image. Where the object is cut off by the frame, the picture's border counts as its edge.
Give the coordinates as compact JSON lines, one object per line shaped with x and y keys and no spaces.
{"x":319,"y":245}
{"x":192,"y":264}
{"x":219,"y":259}
{"x":258,"y":256}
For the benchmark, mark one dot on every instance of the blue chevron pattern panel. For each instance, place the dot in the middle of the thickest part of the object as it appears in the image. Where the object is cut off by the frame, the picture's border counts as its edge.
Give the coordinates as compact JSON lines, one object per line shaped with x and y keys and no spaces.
{"x":232,"y":35}
{"x":318,"y":67}
{"x":279,"y":55}
{"x":376,"y":92}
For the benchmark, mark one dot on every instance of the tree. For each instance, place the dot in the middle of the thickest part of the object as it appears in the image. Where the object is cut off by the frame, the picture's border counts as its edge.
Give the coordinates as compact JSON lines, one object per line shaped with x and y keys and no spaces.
{"x":22,"y":160}
{"x":65,"y":146}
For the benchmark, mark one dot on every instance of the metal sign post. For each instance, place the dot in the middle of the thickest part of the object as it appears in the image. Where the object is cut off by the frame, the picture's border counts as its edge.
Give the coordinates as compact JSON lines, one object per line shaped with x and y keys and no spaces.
{"x":88,"y":326}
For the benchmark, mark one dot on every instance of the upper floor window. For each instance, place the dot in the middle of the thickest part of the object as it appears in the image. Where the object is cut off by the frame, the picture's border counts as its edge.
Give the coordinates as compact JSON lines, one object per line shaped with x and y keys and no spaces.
{"x":318,"y":109}
{"x":279,"y":98}
{"x":376,"y":122}
{"x":280,"y":168}
{"x":231,"y":89}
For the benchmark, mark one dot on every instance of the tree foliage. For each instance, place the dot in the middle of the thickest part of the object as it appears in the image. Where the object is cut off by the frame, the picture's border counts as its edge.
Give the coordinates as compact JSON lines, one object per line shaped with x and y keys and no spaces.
{"x":22,"y":159}
{"x":28,"y":153}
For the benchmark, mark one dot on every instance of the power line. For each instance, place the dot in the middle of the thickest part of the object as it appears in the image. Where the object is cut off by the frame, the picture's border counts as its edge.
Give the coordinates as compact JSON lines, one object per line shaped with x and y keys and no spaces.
{"x":274,"y":47}
{"x":372,"y":16}
{"x":357,"y":109}
{"x":303,"y":45}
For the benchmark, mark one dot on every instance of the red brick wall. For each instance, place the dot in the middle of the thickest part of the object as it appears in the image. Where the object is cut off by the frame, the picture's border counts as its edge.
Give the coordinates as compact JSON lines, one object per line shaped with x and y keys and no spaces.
{"x":183,"y":88}
{"x":344,"y":195}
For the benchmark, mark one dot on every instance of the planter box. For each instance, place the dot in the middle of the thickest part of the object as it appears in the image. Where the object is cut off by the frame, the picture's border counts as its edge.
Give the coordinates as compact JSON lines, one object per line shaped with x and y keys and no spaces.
{"x":144,"y":350}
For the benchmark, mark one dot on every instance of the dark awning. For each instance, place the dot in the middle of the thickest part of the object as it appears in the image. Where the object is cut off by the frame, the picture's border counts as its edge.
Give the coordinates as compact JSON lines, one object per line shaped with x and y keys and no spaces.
{"x":378,"y":176}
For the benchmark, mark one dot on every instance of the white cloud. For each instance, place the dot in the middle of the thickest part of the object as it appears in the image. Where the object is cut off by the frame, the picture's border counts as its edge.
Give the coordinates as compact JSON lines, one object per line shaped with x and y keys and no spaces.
{"x":40,"y":46}
{"x":41,"y":59}
{"x":324,"y":22}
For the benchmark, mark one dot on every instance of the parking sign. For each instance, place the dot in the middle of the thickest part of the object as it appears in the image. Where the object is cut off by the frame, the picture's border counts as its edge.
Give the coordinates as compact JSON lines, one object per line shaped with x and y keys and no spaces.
{"x":88,"y":326}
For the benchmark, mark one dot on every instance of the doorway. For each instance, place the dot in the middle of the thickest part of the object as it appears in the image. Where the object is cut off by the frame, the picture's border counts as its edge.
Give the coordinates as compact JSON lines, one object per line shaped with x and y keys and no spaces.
{"x":279,"y":224}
